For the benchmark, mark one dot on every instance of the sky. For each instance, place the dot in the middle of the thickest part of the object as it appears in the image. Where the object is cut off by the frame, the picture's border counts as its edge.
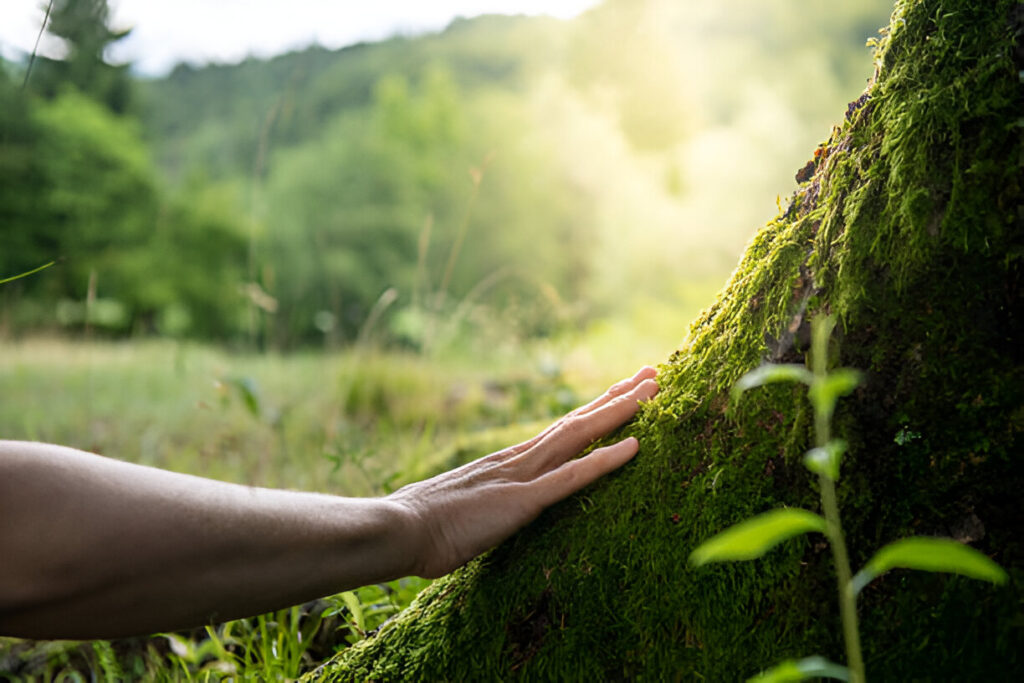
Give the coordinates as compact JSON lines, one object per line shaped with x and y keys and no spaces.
{"x":165,"y":32}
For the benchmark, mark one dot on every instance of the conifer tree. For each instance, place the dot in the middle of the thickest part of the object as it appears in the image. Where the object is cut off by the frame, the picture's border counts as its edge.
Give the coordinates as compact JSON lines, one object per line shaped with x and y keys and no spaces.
{"x":83,"y":28}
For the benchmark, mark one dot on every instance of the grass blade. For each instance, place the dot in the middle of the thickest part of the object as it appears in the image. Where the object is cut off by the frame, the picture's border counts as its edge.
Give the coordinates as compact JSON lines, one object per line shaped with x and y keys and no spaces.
{"x":26,"y":273}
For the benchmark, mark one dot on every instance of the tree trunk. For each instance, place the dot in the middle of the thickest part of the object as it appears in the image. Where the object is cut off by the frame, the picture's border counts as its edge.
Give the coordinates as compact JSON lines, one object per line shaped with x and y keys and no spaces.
{"x":907,"y":227}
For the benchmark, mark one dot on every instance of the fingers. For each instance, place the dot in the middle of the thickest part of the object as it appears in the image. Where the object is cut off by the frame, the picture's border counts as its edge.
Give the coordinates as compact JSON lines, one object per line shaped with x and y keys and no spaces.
{"x":577,"y":431}
{"x":618,"y":389}
{"x":574,"y":475}
{"x":557,"y":447}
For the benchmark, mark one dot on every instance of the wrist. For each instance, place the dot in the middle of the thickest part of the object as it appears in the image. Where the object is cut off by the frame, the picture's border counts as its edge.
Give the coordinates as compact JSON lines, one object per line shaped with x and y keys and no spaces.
{"x":411,"y":535}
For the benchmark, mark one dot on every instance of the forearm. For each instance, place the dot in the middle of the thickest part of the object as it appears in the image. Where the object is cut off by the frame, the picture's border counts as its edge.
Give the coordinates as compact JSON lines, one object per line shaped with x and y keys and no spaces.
{"x":103,"y":548}
{"x":92,"y":547}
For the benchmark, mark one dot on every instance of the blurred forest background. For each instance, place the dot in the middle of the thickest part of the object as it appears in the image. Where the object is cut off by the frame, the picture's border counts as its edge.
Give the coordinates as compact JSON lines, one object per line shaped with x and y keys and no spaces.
{"x":508,"y":178}
{"x":344,"y":270}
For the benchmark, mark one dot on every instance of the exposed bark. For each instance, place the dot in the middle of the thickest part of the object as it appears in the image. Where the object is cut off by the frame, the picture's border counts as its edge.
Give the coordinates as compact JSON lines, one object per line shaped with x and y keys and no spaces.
{"x":909,"y":228}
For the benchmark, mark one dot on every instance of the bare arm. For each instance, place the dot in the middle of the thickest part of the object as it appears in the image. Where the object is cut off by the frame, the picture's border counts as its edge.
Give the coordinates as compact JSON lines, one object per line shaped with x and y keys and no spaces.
{"x":92,"y":547}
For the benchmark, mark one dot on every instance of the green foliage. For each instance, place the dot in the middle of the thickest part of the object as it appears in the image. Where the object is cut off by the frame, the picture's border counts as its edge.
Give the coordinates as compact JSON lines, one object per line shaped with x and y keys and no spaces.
{"x":282,"y":645}
{"x":100,"y":193}
{"x":488,"y":175}
{"x":21,"y":175}
{"x":366,"y":609}
{"x":568,"y":182}
{"x":406,"y":194}
{"x":93,"y":202}
{"x":824,"y":393}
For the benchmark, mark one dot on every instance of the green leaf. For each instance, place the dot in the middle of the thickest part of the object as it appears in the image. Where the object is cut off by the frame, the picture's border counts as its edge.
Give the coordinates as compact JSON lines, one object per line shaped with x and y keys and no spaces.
{"x":798,"y":670}
{"x":824,"y":392}
{"x":754,"y":537}
{"x":771,"y":373}
{"x":825,"y":460}
{"x":356,"y":608}
{"x":930,"y":555}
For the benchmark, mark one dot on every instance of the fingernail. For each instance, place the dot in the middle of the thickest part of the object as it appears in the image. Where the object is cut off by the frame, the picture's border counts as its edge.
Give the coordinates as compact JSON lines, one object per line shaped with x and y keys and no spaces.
{"x":648,"y":388}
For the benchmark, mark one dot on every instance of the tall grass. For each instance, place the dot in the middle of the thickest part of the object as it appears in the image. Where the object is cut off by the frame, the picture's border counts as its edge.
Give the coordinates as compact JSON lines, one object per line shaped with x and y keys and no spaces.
{"x":360,"y":422}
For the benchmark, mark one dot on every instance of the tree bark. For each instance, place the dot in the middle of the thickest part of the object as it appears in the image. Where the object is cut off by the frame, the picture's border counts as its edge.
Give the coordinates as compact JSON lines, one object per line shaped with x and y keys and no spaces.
{"x":907,"y":227}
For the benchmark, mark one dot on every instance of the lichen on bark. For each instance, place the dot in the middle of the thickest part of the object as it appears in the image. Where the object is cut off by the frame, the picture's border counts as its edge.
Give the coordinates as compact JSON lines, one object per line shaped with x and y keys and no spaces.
{"x":910,"y":230}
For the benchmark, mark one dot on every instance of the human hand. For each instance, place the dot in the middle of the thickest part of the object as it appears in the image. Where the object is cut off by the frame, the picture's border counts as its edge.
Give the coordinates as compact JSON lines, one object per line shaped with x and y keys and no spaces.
{"x":457,"y":515}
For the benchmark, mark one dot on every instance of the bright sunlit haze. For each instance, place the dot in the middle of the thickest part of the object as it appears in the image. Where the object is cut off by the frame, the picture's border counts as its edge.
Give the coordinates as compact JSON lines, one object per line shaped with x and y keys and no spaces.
{"x":599,"y":170}
{"x":165,"y":33}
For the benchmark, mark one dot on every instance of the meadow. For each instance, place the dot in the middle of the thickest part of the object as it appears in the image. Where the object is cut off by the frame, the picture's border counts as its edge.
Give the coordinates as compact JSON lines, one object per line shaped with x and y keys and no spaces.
{"x":357,"y":422}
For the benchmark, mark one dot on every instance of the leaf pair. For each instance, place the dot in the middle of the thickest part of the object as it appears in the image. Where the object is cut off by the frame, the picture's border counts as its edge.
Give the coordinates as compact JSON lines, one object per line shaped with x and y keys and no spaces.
{"x":752,"y":538}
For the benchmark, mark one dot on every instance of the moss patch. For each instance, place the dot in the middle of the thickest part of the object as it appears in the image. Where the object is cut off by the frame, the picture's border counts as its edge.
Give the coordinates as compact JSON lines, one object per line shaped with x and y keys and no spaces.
{"x":909,"y":228}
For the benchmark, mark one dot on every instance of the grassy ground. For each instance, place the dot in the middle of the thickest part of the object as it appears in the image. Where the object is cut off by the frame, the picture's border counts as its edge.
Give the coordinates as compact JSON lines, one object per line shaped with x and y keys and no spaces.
{"x":360,"y":422}
{"x":355,"y":423}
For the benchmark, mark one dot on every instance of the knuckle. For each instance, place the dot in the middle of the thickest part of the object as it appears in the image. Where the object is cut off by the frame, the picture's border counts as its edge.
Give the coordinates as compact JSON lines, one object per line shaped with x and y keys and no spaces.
{"x":623,"y":403}
{"x":572,"y":477}
{"x":619,"y":387}
{"x":574,"y":426}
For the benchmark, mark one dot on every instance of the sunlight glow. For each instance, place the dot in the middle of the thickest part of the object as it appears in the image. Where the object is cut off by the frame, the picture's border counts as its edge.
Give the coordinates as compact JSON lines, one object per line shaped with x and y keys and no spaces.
{"x":196,"y":31}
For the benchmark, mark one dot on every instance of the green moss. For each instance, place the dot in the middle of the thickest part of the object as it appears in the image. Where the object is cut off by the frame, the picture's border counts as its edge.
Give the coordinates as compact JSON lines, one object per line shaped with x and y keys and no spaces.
{"x":910,"y":230}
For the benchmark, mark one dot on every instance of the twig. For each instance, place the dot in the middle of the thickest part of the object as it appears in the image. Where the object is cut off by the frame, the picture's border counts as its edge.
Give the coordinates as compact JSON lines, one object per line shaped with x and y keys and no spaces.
{"x":35,"y":48}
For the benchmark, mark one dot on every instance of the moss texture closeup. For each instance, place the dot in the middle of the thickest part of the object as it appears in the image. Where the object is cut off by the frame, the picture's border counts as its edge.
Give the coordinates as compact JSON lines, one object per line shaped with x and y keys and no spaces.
{"x":909,"y":228}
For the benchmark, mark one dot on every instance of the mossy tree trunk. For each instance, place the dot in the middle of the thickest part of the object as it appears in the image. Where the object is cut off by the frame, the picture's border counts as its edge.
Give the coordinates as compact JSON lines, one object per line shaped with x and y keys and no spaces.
{"x":908,"y":228}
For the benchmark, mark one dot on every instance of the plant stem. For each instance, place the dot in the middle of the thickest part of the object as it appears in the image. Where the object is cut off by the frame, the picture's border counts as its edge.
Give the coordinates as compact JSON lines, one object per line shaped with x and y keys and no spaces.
{"x":847,"y":602}
{"x":829,"y":504}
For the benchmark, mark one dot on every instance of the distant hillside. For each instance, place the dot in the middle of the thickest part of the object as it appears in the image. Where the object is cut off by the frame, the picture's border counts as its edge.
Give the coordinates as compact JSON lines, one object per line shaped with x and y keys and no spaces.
{"x":667,"y":71}
{"x":215,"y":116}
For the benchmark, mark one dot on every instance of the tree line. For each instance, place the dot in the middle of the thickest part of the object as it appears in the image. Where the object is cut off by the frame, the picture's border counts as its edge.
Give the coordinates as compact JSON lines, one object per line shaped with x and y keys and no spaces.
{"x":491,"y":178}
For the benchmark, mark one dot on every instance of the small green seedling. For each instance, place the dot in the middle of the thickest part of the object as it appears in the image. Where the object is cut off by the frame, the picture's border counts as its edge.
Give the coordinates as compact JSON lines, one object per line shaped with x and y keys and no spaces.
{"x":754,"y":537}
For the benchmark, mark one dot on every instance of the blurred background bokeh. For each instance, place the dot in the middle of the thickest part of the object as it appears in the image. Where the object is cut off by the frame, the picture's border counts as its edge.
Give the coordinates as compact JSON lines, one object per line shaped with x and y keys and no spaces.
{"x":506,"y":179}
